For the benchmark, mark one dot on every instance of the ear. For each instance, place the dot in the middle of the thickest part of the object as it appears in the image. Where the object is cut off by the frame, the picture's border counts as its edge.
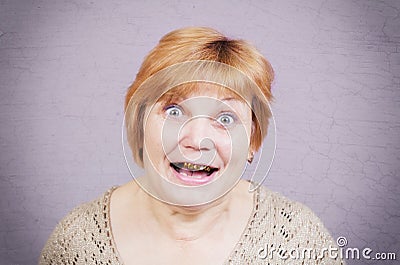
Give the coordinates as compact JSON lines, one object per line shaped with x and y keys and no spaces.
{"x":250,"y":155}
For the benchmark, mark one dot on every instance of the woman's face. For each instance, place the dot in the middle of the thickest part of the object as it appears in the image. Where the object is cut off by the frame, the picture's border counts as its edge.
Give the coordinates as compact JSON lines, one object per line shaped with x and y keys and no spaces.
{"x":200,"y":142}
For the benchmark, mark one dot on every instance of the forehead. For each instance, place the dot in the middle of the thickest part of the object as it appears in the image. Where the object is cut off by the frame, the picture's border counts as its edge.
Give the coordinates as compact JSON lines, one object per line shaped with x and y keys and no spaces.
{"x":190,"y":90}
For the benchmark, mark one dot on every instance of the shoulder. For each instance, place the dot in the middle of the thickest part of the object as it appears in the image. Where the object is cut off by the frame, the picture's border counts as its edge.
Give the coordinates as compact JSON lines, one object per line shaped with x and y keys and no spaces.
{"x":284,"y":210}
{"x":287,"y":225}
{"x":81,"y":235}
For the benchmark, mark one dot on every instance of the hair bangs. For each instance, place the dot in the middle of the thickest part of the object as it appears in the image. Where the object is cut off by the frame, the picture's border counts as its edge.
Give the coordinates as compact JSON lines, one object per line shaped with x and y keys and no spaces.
{"x":226,"y":80}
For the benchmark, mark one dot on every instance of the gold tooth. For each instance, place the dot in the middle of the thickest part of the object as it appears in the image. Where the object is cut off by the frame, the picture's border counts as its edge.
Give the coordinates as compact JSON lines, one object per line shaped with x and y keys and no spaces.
{"x":191,"y":166}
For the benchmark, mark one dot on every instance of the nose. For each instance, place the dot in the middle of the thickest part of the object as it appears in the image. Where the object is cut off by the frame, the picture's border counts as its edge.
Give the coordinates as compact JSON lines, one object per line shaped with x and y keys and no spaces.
{"x":197,"y":135}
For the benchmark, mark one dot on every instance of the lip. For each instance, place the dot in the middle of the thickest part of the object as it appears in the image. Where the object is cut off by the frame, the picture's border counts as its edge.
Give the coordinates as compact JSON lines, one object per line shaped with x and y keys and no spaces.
{"x":190,"y":181}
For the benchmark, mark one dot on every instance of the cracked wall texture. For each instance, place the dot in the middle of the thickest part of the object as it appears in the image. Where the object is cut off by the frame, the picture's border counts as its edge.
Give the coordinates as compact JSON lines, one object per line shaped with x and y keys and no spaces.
{"x":65,"y":66}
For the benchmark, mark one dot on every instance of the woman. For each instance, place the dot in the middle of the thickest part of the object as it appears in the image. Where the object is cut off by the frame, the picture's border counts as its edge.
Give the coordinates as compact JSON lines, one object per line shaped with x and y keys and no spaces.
{"x":195,"y":115}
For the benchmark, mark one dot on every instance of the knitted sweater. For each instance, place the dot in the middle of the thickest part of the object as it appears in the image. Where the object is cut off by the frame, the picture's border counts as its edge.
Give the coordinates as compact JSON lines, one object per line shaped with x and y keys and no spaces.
{"x":279,"y":231}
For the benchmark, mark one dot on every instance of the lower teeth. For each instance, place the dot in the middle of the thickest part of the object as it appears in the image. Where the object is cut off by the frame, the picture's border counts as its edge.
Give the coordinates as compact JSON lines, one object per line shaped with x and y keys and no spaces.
{"x":190,"y":174}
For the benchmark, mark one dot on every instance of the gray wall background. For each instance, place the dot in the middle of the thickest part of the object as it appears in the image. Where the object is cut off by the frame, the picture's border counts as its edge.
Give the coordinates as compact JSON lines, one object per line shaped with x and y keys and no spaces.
{"x":65,"y":67}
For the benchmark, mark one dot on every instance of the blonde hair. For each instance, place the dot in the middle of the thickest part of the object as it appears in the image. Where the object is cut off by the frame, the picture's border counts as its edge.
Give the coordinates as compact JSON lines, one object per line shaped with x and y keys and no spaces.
{"x":187,"y":55}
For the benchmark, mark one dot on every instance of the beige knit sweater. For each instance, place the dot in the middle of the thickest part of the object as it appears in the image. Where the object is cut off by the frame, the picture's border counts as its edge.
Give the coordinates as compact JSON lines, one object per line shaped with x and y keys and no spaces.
{"x":279,"y":231}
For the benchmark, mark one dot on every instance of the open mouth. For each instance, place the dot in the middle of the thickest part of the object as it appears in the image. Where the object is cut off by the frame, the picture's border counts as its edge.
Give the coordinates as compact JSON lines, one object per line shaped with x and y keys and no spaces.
{"x":193,"y":174}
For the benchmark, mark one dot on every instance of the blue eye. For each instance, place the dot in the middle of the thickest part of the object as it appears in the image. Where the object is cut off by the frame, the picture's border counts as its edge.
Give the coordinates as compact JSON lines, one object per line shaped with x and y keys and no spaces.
{"x":174,"y":111}
{"x":226,"y":119}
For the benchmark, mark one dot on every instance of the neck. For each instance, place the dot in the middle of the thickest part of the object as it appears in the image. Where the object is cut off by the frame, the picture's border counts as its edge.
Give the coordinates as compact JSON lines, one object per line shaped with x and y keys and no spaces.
{"x":188,"y":223}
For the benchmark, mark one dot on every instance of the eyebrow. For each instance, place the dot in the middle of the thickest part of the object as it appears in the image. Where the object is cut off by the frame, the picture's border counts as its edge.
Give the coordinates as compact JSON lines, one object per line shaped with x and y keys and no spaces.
{"x":229,"y":99}
{"x":183,"y":98}
{"x":222,"y":99}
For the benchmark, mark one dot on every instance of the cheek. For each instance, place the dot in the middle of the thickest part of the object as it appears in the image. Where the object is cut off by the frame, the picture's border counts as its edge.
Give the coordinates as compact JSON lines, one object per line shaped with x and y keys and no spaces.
{"x":152,"y":137}
{"x":161,"y":137}
{"x":223,"y":145}
{"x":169,"y":136}
{"x":233,"y":147}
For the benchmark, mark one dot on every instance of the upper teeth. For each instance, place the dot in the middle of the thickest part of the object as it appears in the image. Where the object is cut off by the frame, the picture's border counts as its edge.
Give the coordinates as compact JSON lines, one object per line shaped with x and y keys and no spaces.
{"x":196,"y":167}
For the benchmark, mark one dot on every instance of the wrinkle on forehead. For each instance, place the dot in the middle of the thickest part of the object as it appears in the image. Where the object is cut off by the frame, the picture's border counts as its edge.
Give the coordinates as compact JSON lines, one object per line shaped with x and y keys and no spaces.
{"x":187,"y":90}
